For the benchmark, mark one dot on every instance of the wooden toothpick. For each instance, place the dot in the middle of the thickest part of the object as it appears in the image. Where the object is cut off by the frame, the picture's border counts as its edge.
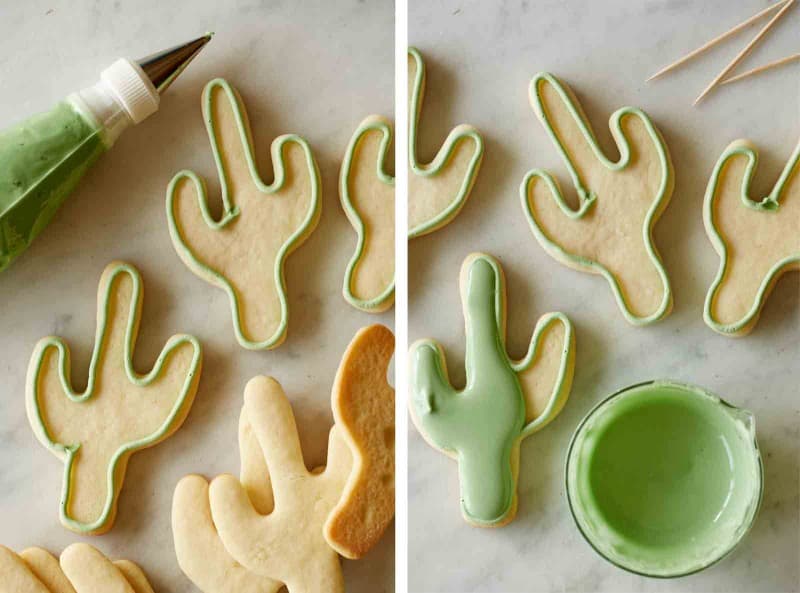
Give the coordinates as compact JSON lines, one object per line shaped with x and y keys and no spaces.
{"x":760,"y":69}
{"x":747,"y":49}
{"x":716,"y":40}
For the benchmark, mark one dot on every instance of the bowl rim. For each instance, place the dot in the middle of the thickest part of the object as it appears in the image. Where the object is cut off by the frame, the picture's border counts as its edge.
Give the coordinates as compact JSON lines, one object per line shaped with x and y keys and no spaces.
{"x":686,"y":386}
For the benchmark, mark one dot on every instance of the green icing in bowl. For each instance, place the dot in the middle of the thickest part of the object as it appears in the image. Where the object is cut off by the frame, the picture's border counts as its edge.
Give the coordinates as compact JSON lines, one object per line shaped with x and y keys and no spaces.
{"x":664,"y":479}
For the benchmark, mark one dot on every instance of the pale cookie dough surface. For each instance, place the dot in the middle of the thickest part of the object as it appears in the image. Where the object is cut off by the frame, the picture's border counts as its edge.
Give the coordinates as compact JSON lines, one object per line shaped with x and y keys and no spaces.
{"x":363,"y":408}
{"x":367,"y":195}
{"x":288,"y":544}
{"x":200,"y":552}
{"x":120,"y":412}
{"x":504,"y":401}
{"x":81,"y":569}
{"x":46,"y":568}
{"x":610,"y":233}
{"x":244,"y":252}
{"x":277,"y":509}
{"x":437,"y":190}
{"x":757,"y":239}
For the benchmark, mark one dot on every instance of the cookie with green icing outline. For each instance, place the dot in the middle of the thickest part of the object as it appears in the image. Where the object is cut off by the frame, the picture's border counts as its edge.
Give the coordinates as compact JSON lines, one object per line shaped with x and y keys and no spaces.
{"x":367,"y":195}
{"x":80,"y":569}
{"x":121,"y":411}
{"x":438,"y":190}
{"x":261,"y":224}
{"x":504,"y":400}
{"x":757,"y":241}
{"x":611,"y":231}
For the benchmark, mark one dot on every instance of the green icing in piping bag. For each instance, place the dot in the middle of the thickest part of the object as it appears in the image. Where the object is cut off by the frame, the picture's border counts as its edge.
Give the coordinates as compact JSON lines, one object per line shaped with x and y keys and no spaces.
{"x":43,"y":158}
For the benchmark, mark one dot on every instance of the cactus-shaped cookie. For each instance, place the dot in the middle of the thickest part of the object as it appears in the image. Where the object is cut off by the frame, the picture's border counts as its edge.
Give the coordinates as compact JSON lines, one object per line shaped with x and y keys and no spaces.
{"x":503,"y":402}
{"x":288,"y":543}
{"x":121,"y":411}
{"x":438,"y":190}
{"x":611,"y":231}
{"x":279,"y":523}
{"x":261,"y":224}
{"x":200,"y":552}
{"x":81,"y":569}
{"x":757,"y":241}
{"x":363,"y":408}
{"x":367,"y":195}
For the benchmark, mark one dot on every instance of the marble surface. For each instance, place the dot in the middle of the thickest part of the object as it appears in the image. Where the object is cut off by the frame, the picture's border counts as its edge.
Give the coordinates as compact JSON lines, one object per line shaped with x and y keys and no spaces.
{"x":481,"y":56}
{"x":311,"y":68}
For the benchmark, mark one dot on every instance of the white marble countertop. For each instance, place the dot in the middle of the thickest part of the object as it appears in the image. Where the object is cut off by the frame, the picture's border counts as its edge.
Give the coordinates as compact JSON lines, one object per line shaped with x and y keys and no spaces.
{"x":481,"y":57}
{"x":316,"y":70}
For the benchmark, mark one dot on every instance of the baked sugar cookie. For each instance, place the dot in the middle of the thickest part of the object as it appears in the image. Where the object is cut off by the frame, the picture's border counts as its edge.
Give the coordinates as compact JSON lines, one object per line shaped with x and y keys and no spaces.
{"x":81,"y":569}
{"x":504,"y":401}
{"x":261,"y":224}
{"x":121,"y":411}
{"x":286,"y":544}
{"x":438,"y":190}
{"x":278,"y":523}
{"x":611,"y":231}
{"x":757,"y":241}
{"x":367,"y":195}
{"x":200,"y":552}
{"x":363,"y":408}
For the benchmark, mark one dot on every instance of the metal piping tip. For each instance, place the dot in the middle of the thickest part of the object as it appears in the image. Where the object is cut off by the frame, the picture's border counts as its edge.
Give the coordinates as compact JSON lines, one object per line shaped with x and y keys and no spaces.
{"x":163,"y":68}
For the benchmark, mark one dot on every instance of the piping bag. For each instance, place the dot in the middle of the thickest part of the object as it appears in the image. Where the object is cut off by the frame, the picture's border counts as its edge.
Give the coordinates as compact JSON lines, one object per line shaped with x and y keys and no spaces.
{"x":43,"y":158}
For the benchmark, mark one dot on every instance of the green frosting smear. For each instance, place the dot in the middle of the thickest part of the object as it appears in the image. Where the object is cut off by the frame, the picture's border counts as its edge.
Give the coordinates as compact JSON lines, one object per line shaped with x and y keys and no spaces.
{"x":42,"y":159}
{"x":664,"y":479}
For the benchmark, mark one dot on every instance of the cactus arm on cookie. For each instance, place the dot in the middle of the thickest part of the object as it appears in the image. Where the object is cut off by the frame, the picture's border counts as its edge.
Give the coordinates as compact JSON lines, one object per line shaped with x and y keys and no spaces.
{"x":769,"y":231}
{"x":482,"y":425}
{"x":200,"y":552}
{"x":367,"y":195}
{"x":438,"y":190}
{"x":597,"y":236}
{"x":244,"y":252}
{"x":146,"y":408}
{"x":198,"y":547}
{"x":267,"y":544}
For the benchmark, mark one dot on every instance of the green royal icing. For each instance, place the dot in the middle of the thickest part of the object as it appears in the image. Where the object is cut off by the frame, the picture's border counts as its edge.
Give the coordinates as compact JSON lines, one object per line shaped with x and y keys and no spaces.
{"x":68,"y":450}
{"x":353,"y":215}
{"x":442,"y":157}
{"x":42,"y":160}
{"x":482,"y":424}
{"x":588,"y":199}
{"x":770,"y":204}
{"x":230,"y":211}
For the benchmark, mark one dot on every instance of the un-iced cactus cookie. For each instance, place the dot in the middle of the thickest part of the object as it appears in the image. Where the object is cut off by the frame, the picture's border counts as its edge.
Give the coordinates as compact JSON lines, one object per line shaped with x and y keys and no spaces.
{"x":120,"y":412}
{"x":611,"y":231}
{"x":244,"y":251}
{"x":363,"y":409}
{"x":437,"y":190}
{"x":367,"y":195}
{"x":504,"y":401}
{"x":80,"y":569}
{"x":280,"y":524}
{"x":757,"y":241}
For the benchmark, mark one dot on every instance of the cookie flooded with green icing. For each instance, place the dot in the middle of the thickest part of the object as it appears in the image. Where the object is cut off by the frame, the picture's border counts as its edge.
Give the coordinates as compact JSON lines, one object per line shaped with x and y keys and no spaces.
{"x":80,"y":569}
{"x":244,"y":251}
{"x":504,"y":400}
{"x":610,"y":232}
{"x":120,"y":412}
{"x":757,"y":240}
{"x":437,"y":190}
{"x":366,"y":191}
